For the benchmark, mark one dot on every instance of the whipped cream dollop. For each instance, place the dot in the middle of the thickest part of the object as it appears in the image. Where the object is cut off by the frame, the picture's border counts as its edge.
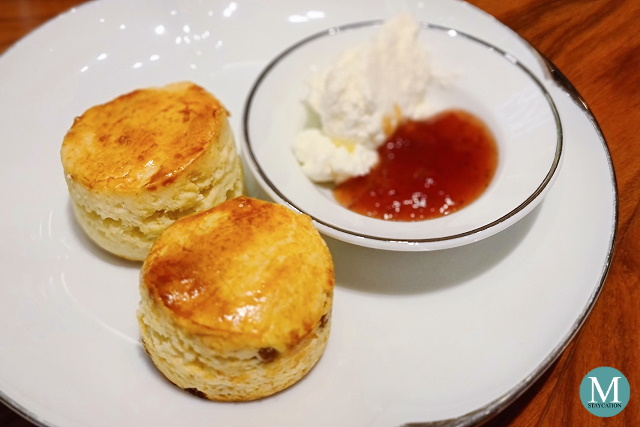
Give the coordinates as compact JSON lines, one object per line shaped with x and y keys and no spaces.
{"x":361,"y":98}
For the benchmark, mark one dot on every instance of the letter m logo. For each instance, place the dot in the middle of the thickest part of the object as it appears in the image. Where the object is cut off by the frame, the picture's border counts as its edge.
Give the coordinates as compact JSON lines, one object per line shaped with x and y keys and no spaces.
{"x":595,"y":386}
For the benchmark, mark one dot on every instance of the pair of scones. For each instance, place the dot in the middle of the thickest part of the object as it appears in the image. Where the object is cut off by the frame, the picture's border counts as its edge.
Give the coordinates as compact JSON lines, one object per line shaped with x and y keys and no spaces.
{"x":236,"y":293}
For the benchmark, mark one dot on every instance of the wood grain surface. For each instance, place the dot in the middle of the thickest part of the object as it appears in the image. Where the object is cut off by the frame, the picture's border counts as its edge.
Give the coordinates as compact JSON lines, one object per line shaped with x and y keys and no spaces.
{"x":596,"y":44}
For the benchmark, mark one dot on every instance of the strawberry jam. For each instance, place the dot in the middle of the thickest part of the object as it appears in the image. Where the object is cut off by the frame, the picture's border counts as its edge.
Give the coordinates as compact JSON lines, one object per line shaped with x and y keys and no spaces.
{"x":426,"y":169}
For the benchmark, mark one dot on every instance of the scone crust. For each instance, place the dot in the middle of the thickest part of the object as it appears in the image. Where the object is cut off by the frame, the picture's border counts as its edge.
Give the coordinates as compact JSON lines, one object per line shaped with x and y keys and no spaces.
{"x":143,"y":139}
{"x":246,"y":273}
{"x":236,"y":301}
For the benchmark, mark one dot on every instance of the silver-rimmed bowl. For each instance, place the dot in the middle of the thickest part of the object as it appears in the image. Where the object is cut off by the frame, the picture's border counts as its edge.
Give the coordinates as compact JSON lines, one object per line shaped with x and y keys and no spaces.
{"x":487,"y":81}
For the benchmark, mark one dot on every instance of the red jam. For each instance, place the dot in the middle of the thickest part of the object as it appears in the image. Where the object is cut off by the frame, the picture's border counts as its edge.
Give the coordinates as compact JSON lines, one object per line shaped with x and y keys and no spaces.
{"x":427,"y":169}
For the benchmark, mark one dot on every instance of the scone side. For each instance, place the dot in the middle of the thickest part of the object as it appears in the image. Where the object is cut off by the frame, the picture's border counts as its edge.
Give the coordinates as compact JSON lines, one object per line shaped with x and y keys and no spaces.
{"x":184,"y":356}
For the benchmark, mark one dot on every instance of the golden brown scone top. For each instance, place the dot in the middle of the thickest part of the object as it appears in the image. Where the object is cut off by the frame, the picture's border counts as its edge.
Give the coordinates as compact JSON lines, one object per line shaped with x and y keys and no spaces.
{"x":143,"y":138}
{"x":244,"y":270}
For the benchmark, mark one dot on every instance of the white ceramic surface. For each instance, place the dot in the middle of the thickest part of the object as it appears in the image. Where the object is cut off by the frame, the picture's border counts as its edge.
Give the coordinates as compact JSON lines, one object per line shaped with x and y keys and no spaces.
{"x":452,"y":334}
{"x":478,"y":77}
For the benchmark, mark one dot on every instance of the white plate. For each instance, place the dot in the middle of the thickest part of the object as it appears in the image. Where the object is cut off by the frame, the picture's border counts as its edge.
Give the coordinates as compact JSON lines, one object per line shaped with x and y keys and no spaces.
{"x":484,"y":80}
{"x":454,"y":334}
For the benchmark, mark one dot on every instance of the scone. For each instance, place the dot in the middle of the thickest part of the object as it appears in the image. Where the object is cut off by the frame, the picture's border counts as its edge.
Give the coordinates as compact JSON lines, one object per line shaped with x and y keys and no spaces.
{"x":139,"y":162}
{"x":236,"y":300}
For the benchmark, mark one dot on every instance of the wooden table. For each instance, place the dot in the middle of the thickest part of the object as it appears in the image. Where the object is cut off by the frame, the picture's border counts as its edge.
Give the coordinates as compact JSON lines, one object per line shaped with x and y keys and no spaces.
{"x":596,"y":44}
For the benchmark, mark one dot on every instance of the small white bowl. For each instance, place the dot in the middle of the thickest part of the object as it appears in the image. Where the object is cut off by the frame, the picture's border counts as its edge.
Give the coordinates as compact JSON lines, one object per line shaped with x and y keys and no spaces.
{"x":487,"y":82}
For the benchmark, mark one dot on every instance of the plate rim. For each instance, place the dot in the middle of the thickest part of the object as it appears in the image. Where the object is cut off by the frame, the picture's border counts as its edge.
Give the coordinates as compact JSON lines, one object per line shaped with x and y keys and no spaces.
{"x":498,"y":404}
